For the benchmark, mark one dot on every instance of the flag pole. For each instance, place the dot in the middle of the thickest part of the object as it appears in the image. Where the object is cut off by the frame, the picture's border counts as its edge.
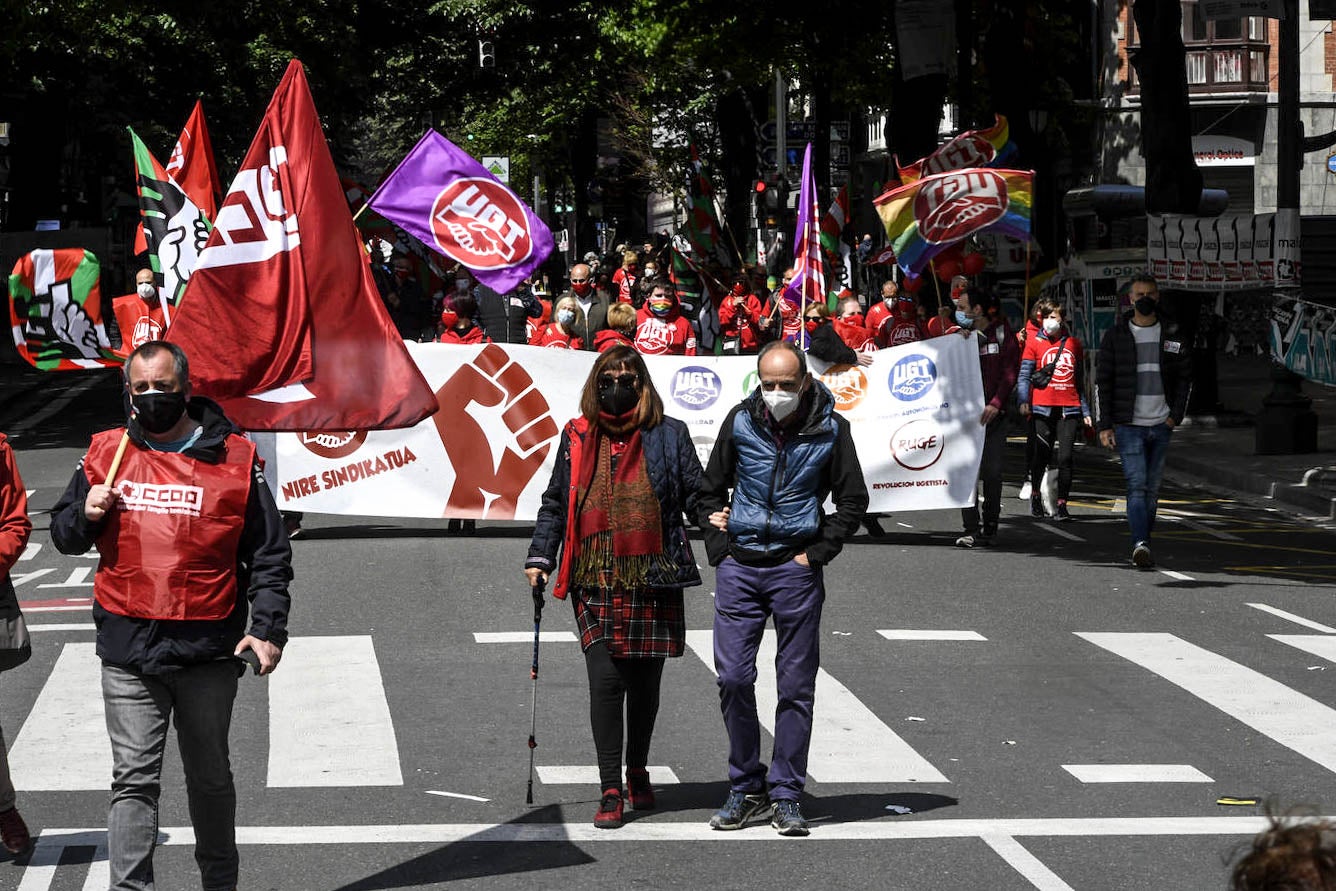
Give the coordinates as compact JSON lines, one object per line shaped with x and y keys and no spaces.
{"x":1027,"y":279}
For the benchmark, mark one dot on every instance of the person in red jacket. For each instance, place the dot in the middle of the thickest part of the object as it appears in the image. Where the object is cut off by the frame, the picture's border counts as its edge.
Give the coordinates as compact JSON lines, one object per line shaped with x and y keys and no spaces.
{"x":1033,"y":325}
{"x":1055,"y":410}
{"x":15,"y":527}
{"x":902,"y":325}
{"x":879,"y":312}
{"x":625,"y":277}
{"x":849,"y":324}
{"x":739,"y":318}
{"x":457,"y":319}
{"x":621,"y":328}
{"x":663,"y":331}
{"x":559,"y":333}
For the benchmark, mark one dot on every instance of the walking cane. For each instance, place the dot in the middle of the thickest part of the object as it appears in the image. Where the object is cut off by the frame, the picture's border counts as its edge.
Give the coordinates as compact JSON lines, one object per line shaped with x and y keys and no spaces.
{"x":533,"y":674}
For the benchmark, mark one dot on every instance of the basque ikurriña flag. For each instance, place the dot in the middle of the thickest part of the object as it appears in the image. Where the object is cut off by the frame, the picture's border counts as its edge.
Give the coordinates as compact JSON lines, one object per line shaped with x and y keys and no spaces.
{"x":991,"y":147}
{"x":929,"y":215}
{"x":55,"y":311}
{"x":282,"y":320}
{"x":808,"y":285}
{"x":445,"y":199}
{"x":175,"y":229}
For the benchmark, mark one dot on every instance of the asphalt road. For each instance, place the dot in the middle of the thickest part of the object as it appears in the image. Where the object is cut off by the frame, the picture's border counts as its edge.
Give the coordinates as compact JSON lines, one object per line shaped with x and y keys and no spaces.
{"x":1038,"y":715}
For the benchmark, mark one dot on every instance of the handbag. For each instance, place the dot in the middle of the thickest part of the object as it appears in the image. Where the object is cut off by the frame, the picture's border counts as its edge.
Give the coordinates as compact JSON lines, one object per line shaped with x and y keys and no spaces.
{"x":1041,"y":377}
{"x":15,"y":644}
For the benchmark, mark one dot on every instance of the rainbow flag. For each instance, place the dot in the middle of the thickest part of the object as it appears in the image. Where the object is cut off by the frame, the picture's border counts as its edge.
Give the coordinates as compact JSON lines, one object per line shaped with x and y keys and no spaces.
{"x":927,"y":216}
{"x":974,"y":148}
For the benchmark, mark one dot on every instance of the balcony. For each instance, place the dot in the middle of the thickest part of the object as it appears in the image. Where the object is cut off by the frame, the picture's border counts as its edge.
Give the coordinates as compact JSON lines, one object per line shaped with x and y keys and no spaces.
{"x":1233,"y":67}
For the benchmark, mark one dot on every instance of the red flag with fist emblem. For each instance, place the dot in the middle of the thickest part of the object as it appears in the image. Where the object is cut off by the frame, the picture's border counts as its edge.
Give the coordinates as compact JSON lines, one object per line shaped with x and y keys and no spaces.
{"x":282,"y":320}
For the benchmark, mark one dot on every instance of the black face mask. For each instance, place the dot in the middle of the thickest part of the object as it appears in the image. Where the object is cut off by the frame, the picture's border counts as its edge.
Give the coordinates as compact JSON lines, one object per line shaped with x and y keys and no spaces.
{"x":1145,"y":305}
{"x":617,"y":398}
{"x":158,"y":412}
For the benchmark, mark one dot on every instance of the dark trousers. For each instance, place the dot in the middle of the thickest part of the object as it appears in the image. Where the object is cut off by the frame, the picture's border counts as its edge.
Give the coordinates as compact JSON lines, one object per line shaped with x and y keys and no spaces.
{"x":1053,"y":437}
{"x":745,"y":598}
{"x":990,"y":474}
{"x":613,"y":683}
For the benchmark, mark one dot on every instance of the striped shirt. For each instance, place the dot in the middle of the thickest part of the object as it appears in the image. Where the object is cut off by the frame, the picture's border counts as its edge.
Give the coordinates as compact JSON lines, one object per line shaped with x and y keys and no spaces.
{"x":1150,"y":409}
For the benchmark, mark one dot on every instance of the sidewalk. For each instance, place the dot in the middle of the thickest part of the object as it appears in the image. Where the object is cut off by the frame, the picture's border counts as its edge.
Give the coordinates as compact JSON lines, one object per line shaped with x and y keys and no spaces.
{"x":1220,"y":450}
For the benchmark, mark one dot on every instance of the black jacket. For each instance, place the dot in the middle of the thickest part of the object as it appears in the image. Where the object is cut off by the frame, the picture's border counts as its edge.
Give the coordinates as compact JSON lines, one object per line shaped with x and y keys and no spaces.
{"x":826,"y":344}
{"x":841,"y":479}
{"x":1116,"y":373}
{"x":264,"y":568}
{"x":674,"y":473}
{"x":502,"y":316}
{"x":595,"y":320}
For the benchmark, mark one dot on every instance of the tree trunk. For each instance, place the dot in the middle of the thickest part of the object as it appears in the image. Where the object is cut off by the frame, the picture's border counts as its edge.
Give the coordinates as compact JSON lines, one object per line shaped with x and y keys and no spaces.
{"x":1173,"y":182}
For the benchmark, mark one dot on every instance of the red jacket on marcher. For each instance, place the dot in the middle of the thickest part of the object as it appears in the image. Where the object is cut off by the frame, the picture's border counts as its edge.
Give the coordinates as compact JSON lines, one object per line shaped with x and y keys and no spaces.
{"x":552,"y":336}
{"x":608,"y":338}
{"x":473,"y":334}
{"x":15,"y":527}
{"x":741,"y":321}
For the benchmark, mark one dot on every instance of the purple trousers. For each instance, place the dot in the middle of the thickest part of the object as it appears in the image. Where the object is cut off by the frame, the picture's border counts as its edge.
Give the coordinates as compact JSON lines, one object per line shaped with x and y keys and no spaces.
{"x":744,"y":600}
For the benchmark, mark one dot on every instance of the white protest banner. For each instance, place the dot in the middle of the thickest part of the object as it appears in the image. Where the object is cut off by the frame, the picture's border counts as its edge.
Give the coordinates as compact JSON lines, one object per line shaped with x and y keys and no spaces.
{"x":489,"y":451}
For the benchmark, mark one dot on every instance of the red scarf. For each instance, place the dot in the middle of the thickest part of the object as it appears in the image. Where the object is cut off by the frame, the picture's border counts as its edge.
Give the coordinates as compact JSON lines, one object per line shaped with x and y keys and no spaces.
{"x":619,"y":532}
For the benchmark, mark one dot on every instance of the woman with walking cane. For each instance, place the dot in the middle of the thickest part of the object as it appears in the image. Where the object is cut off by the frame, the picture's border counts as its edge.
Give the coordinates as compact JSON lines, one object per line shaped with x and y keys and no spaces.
{"x":625,"y":475}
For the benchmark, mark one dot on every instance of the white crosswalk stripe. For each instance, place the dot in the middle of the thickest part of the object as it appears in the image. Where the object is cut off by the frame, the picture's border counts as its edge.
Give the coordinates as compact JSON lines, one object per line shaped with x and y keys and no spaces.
{"x":850,"y":744}
{"x":329,"y":721}
{"x":67,"y":718}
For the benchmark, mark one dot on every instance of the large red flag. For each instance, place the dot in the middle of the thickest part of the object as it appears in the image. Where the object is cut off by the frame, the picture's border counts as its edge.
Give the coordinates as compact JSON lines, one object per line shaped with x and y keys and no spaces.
{"x":282,"y":321}
{"x":192,"y":166}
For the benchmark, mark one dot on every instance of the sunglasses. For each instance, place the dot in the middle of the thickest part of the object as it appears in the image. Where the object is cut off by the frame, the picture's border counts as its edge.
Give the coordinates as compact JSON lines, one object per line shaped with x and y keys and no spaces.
{"x":579,"y":281}
{"x":623,"y":380}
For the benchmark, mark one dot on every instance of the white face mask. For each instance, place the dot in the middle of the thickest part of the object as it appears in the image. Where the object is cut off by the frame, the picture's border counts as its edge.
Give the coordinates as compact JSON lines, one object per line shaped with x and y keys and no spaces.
{"x":781,"y":403}
{"x":1052,"y":326}
{"x":146,"y":290}
{"x":565,"y":316}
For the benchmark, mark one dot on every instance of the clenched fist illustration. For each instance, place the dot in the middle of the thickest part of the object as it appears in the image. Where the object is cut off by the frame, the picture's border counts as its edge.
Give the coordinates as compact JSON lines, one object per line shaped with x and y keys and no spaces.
{"x":491,"y":473}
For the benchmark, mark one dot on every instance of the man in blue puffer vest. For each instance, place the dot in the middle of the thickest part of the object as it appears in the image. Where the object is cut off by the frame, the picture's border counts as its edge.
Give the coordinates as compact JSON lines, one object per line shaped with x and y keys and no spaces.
{"x":781,"y":452}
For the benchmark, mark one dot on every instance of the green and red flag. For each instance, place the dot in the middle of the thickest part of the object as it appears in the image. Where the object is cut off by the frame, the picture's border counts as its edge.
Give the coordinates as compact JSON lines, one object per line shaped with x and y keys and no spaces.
{"x":174,"y":227}
{"x":55,"y":311}
{"x":702,"y":228}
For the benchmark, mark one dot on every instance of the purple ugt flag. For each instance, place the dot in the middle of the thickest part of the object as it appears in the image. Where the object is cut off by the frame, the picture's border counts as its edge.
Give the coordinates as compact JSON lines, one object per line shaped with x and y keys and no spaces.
{"x":444,"y":198}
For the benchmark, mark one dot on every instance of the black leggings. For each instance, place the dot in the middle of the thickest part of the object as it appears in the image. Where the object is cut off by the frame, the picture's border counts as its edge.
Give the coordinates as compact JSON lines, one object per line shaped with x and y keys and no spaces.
{"x":1053,"y":437}
{"x":612,"y":682}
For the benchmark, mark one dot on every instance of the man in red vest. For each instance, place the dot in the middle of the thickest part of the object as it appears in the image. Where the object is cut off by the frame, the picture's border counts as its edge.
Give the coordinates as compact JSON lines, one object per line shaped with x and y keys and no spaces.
{"x":186,"y":509}
{"x":139,"y":315}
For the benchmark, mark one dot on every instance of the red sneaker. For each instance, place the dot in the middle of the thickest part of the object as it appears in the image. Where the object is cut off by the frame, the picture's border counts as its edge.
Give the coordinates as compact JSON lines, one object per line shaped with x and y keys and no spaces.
{"x":14,"y":832}
{"x":640,"y":790}
{"x":609,"y":814}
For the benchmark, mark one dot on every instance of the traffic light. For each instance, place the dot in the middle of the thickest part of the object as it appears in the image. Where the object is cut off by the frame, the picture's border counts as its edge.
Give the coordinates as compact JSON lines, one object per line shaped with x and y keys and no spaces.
{"x":486,"y":54}
{"x":767,"y":195}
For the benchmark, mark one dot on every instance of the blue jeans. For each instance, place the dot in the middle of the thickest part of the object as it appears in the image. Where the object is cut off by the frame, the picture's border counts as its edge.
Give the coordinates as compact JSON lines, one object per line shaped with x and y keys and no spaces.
{"x":139,"y":710}
{"x":1142,"y":450}
{"x":745,"y":598}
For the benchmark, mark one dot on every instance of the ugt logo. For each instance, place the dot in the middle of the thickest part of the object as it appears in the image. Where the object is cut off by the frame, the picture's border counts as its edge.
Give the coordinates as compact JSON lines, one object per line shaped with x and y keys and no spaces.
{"x":481,"y":224}
{"x":912,"y":377}
{"x":695,"y":387}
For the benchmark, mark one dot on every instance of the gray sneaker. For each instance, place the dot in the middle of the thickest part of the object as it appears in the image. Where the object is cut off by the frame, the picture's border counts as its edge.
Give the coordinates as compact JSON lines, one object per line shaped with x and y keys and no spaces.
{"x":1141,"y":556}
{"x":788,"y":818}
{"x":740,"y":809}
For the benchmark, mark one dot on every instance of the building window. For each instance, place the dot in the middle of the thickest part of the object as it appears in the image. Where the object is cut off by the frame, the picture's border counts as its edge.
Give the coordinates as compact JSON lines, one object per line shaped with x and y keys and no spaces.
{"x":1195,"y":24}
{"x":1257,"y":67}
{"x":1197,"y":68}
{"x":1256,"y":28}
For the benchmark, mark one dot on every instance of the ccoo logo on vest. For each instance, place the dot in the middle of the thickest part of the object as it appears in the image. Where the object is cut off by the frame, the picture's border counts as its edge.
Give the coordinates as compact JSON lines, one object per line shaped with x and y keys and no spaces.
{"x":695,"y":387}
{"x":912,"y":377}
